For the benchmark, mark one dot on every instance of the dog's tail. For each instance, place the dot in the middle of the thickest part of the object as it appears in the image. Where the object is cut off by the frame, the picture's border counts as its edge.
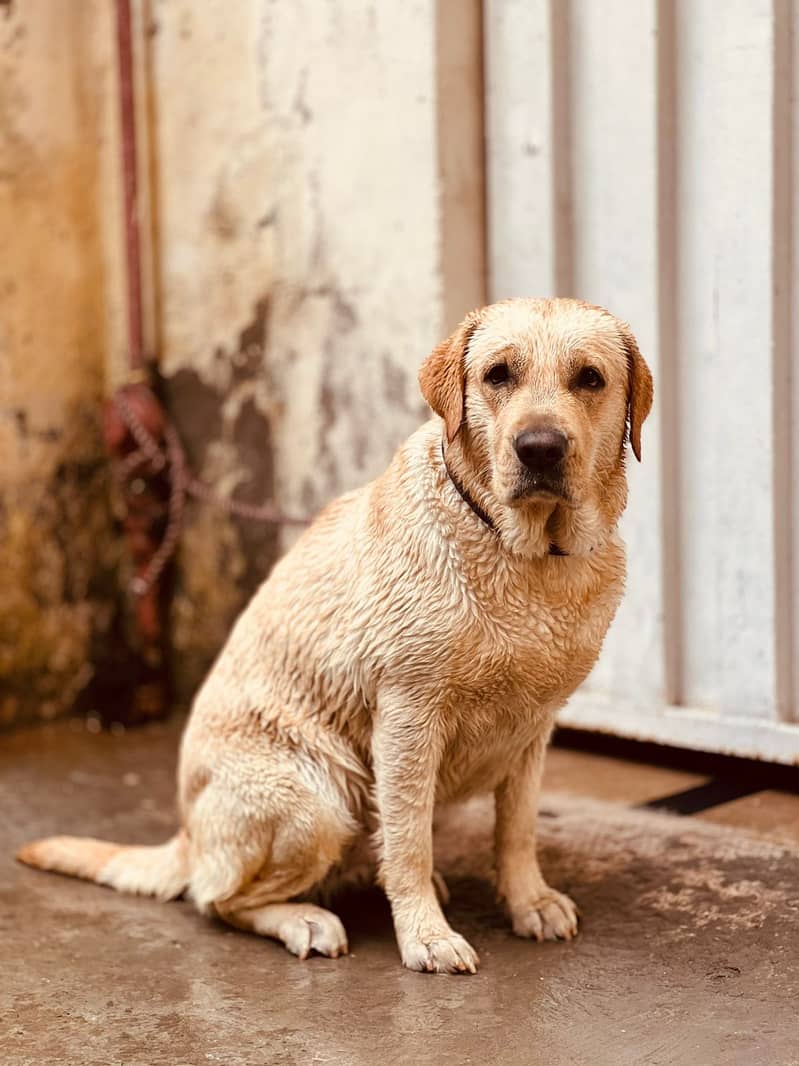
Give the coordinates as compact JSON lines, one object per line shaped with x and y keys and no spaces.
{"x":161,"y":871}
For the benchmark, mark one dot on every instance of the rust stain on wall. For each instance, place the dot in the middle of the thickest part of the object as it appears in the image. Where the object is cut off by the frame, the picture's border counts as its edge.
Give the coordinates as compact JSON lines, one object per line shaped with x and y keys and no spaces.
{"x":58,"y":584}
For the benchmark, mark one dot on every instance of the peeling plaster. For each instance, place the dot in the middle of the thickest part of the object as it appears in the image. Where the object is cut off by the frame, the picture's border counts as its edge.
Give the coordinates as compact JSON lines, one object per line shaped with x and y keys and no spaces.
{"x":300,"y":265}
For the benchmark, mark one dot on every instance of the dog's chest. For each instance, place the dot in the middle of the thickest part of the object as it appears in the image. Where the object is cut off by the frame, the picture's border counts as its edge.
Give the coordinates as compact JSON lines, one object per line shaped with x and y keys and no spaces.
{"x":529,"y":641}
{"x":510,"y":670}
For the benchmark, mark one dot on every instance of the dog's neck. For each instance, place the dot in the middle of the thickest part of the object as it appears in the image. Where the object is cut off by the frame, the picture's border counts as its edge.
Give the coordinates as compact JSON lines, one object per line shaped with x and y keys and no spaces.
{"x":482,"y":514}
{"x":536,"y":530}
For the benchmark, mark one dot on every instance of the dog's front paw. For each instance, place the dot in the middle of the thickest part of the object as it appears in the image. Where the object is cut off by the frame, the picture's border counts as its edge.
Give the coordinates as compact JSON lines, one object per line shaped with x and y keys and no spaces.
{"x":445,"y":953}
{"x":552,"y":916}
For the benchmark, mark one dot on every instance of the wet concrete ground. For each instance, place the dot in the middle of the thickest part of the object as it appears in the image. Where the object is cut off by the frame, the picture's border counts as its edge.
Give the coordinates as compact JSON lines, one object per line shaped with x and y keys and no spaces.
{"x":689,"y":952}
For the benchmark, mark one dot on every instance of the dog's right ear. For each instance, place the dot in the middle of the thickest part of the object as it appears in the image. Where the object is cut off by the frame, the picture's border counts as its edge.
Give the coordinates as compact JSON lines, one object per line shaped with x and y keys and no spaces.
{"x":640,"y":390}
{"x":442,"y":377}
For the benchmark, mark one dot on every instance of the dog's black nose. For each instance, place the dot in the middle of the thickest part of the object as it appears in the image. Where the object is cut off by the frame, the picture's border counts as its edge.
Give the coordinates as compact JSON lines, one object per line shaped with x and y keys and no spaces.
{"x":541,"y":449}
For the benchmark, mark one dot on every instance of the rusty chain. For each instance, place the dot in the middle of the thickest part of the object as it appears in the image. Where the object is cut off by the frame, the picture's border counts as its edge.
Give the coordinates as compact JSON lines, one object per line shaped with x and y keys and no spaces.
{"x":149,"y":455}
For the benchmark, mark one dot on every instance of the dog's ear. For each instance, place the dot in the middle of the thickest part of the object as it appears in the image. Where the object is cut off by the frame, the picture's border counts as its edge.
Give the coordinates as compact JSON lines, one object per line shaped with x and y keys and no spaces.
{"x":639,"y":391}
{"x":442,"y":377}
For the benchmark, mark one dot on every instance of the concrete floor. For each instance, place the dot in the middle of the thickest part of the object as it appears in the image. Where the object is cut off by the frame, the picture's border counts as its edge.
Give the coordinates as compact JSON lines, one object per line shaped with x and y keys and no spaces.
{"x":689,"y":952}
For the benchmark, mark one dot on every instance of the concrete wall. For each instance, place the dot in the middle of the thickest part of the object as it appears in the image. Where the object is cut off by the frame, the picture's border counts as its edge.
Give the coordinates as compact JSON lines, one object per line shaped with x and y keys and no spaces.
{"x":317,"y":226}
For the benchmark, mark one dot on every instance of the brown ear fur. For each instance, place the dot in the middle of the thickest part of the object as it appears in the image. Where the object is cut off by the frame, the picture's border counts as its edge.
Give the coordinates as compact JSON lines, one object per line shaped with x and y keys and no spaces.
{"x":639,"y":402}
{"x":442,"y":377}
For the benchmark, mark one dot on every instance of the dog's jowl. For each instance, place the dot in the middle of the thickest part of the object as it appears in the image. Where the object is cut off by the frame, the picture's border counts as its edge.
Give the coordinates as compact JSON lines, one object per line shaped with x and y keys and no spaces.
{"x":413,"y":646}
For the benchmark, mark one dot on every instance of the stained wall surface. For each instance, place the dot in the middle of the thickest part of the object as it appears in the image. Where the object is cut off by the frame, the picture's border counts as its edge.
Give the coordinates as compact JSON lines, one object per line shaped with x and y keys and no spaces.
{"x":303,"y":176}
{"x":59,"y":323}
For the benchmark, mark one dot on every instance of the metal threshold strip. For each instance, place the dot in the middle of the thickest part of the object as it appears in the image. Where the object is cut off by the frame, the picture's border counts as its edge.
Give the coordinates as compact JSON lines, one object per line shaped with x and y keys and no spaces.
{"x":701,"y":797}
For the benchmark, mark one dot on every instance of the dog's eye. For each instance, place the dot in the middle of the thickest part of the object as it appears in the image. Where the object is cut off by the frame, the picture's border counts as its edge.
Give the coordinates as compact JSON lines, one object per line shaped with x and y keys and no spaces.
{"x":589,"y":378}
{"x":498,"y":375}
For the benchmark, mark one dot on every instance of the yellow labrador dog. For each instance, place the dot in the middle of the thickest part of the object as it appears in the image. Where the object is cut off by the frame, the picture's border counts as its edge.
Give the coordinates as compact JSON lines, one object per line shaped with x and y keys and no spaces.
{"x":413,"y":646}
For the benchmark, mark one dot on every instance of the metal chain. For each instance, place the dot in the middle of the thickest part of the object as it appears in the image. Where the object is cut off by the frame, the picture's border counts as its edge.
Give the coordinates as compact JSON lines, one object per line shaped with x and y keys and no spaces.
{"x":172,"y":458}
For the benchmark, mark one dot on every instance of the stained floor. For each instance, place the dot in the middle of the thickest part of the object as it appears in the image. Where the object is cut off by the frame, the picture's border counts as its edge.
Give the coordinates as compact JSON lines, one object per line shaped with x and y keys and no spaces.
{"x":689,"y":952}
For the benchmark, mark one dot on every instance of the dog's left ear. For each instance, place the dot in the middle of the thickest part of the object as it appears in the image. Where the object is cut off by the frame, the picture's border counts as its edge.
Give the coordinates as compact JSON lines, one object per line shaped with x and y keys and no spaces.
{"x":639,"y":392}
{"x":442,"y":377}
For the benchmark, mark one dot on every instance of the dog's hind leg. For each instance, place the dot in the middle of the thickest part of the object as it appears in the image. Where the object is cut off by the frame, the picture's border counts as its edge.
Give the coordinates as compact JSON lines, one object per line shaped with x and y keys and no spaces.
{"x":296,"y":863}
{"x":261,"y":839}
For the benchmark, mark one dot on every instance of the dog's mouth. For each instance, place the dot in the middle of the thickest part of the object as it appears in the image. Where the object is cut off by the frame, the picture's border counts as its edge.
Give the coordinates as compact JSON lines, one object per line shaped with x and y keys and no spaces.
{"x":539,"y":488}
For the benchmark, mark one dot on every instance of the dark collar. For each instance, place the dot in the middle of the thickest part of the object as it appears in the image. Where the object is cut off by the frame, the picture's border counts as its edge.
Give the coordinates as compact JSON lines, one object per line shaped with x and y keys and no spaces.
{"x":483,"y":515}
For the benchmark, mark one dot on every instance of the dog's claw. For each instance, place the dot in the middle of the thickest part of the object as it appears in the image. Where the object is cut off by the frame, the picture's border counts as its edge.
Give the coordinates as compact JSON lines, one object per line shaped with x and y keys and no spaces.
{"x":440,"y":885}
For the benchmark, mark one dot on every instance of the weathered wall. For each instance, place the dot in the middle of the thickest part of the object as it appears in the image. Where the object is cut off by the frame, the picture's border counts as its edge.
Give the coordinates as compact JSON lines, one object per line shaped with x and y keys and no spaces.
{"x":59,"y":318}
{"x":317,"y":211}
{"x":301,"y":212}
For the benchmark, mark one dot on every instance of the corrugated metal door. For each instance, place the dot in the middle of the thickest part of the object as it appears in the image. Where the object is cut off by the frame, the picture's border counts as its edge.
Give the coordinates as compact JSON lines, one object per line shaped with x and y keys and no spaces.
{"x":641,"y":156}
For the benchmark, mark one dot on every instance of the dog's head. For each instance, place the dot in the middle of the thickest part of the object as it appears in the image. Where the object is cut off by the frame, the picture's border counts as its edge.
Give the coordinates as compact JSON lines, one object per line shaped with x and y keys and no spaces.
{"x":538,"y":399}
